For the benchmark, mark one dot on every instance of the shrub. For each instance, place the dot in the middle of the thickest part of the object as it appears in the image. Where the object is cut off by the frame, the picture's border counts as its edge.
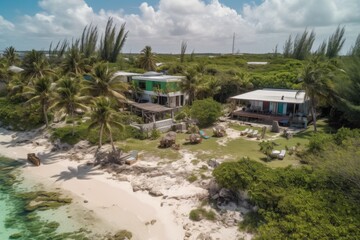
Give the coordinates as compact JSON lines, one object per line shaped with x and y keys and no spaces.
{"x":201,"y":213}
{"x":192,"y":178}
{"x":317,"y":142}
{"x":20,"y":117}
{"x":155,"y":134}
{"x":206,"y":111}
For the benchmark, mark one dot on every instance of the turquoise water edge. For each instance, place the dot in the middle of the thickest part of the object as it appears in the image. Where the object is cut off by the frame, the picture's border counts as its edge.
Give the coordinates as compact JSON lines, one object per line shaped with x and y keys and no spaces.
{"x":30,"y":213}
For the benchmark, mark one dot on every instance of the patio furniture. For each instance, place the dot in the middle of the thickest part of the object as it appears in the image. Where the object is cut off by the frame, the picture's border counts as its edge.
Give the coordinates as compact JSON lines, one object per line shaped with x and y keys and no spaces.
{"x":282,"y":154}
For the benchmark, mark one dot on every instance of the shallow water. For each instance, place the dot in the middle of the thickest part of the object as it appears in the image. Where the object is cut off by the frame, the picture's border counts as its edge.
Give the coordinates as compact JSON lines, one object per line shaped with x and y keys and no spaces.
{"x":16,"y":221}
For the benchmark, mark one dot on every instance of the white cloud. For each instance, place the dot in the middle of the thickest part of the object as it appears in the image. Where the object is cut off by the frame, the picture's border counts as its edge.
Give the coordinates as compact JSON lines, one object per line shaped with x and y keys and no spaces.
{"x":207,"y":25}
{"x":5,"y":24}
{"x":284,"y":15}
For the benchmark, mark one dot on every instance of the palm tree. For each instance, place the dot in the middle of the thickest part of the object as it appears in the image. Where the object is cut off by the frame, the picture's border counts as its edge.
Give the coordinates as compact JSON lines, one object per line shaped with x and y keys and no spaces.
{"x":41,"y":92}
{"x":36,"y":66}
{"x":104,"y":115}
{"x":317,"y":85}
{"x":74,"y":62}
{"x":11,"y":56}
{"x":111,"y":45}
{"x":103,"y":83}
{"x":189,"y":85}
{"x":68,"y":98}
{"x":147,"y":59}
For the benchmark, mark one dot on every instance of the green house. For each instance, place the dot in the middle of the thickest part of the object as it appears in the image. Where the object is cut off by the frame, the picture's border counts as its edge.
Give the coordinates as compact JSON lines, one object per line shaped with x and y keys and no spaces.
{"x":161,"y":89}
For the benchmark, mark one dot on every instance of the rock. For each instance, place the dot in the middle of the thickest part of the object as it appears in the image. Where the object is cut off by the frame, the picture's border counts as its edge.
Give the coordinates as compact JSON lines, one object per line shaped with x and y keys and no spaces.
{"x":155,"y":193}
{"x":204,"y":236}
{"x":86,"y":201}
{"x":152,"y":222}
{"x":213,"y":163}
{"x":219,"y":131}
{"x":188,"y":234}
{"x":195,"y":138}
{"x":275,"y":127}
{"x":168,"y":140}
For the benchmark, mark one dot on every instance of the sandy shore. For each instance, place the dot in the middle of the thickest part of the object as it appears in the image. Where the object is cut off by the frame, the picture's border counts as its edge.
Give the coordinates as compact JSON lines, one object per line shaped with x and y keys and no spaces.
{"x":152,"y":198}
{"x":111,"y":201}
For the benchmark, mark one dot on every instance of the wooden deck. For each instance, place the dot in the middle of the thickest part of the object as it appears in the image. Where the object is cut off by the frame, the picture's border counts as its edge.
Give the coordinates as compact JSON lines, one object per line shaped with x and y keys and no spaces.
{"x":258,"y":116}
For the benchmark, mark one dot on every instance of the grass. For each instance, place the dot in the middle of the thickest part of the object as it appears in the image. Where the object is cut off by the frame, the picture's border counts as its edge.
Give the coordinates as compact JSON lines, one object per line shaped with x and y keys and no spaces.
{"x":233,"y":150}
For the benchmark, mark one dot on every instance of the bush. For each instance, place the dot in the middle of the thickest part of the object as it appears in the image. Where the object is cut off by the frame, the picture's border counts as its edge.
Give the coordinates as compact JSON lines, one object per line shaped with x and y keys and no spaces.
{"x":201,"y":213}
{"x":20,"y":117}
{"x":318,"y":141}
{"x":155,"y":134}
{"x":206,"y":111}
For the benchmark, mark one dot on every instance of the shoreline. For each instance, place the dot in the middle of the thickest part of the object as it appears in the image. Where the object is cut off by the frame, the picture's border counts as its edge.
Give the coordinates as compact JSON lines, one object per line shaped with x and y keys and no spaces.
{"x":151,"y":201}
{"x":112,"y":202}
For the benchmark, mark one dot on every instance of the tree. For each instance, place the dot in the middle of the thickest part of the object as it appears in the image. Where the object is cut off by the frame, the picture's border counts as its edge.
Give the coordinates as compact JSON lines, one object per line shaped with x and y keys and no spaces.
{"x":74,"y":62}
{"x":189,"y":85}
{"x":206,"y":111}
{"x":88,"y":41}
{"x":57,"y":53}
{"x":322,"y":49}
{"x":355,"y":50}
{"x":103,"y":83}
{"x":303,"y":45}
{"x":68,"y":98}
{"x":112,"y":43}
{"x":11,"y":56}
{"x":35,"y":66}
{"x":315,"y":80}
{"x":41,"y":93}
{"x":335,"y":42}
{"x":288,"y":47}
{"x":103,"y":115}
{"x":183,"y":50}
{"x":147,"y":59}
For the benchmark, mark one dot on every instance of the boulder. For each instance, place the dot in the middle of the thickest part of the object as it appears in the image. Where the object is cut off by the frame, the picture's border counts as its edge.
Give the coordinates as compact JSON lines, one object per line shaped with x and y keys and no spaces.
{"x":195,"y":138}
{"x":168,"y":140}
{"x":219,"y":131}
{"x":275,"y":127}
{"x":32,"y":158}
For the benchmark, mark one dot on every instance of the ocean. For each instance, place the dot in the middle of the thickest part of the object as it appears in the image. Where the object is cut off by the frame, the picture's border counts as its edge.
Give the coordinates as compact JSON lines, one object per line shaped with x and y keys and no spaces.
{"x":29,"y":212}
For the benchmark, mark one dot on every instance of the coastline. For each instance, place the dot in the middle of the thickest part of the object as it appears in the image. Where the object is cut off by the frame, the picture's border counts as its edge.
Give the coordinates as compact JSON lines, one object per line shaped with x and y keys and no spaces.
{"x":113,"y":203}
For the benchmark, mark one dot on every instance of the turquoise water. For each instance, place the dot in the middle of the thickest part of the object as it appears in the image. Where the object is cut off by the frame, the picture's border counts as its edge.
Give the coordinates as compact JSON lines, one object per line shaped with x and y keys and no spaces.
{"x":18,"y":221}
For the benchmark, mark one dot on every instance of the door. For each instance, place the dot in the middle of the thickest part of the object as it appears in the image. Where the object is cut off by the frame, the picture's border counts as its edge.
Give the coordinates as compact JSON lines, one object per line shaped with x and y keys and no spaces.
{"x":266,"y":106}
{"x":280,"y":108}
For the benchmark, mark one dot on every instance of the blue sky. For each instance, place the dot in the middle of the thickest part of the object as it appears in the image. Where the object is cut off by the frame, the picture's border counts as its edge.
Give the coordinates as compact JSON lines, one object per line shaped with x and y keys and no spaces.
{"x":207,"y":25}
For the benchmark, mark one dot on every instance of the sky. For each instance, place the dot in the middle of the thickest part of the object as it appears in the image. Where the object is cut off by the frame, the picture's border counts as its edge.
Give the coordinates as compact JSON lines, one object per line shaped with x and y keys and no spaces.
{"x":206,"y":25}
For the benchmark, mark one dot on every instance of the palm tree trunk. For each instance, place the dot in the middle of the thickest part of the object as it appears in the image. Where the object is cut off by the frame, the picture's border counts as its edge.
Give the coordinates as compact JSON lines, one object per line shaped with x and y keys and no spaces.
{"x":111,"y":140}
{"x":73,"y":123}
{"x":313,"y":113}
{"x":101,"y":135}
{"x":45,"y":115}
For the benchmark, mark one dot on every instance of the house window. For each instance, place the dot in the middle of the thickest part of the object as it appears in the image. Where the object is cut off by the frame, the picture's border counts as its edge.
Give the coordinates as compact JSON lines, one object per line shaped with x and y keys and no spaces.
{"x":156,"y":85}
{"x":142,"y":85}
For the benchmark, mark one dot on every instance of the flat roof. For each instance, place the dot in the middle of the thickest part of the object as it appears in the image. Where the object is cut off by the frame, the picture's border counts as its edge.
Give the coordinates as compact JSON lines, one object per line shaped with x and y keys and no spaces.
{"x":150,"y":107}
{"x":274,"y":95}
{"x":122,"y":73}
{"x":159,"y":78}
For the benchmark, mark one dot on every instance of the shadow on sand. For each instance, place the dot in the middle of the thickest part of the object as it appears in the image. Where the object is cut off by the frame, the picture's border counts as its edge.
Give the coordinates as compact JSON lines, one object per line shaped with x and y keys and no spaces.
{"x":82,"y":172}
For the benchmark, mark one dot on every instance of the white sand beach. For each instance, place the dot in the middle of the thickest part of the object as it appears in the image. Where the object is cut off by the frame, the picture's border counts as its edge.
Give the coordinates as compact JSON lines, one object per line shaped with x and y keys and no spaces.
{"x":116,"y":203}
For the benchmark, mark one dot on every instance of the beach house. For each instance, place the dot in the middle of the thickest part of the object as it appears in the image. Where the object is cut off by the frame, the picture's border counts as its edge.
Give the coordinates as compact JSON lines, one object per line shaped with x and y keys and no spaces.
{"x":160,"y":89}
{"x":284,"y":105}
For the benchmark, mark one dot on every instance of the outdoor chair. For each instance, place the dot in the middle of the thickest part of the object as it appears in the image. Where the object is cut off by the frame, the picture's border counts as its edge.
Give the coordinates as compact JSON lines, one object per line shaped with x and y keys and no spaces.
{"x":282,"y":154}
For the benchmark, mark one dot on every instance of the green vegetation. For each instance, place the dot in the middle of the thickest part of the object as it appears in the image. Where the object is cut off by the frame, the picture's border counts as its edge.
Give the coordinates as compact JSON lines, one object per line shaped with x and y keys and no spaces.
{"x":314,"y":201}
{"x":206,"y":111}
{"x":200,"y":213}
